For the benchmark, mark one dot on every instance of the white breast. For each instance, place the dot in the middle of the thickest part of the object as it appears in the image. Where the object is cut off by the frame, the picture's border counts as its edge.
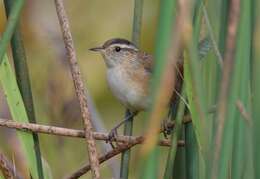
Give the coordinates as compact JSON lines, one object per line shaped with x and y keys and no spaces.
{"x":125,"y":90}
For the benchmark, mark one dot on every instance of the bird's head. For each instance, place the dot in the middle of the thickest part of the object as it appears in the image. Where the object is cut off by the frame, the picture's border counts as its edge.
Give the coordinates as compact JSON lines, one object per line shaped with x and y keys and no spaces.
{"x":115,"y":51}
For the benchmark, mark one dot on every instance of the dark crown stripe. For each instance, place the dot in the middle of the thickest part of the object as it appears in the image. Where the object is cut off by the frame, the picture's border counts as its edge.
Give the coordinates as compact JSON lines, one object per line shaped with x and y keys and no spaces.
{"x":117,"y":41}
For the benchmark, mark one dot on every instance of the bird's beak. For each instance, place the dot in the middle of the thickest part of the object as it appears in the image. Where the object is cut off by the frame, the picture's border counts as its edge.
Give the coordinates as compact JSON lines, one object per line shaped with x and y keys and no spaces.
{"x":96,"y":49}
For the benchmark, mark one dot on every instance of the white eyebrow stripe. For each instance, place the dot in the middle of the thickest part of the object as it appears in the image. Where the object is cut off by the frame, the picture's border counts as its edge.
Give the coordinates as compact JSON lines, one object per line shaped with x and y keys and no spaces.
{"x":124,"y":46}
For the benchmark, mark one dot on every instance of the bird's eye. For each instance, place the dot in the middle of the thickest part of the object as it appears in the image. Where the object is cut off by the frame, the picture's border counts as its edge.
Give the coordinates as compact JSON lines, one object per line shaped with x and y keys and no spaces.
{"x":117,"y":49}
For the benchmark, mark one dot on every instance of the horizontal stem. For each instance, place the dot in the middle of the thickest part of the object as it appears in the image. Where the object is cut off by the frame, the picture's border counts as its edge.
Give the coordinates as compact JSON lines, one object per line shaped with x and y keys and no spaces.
{"x":74,"y":132}
{"x":128,"y":141}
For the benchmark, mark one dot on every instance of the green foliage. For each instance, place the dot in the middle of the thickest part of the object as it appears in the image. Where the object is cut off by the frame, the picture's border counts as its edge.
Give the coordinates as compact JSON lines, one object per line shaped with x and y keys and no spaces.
{"x":46,"y":169}
{"x":202,"y":81}
{"x":191,"y":151}
{"x":165,"y":24}
{"x":255,"y":86}
{"x":22,"y":78}
{"x":197,"y":127}
{"x":18,"y":112}
{"x":10,"y":27}
{"x":237,"y":135}
{"x":175,"y":137}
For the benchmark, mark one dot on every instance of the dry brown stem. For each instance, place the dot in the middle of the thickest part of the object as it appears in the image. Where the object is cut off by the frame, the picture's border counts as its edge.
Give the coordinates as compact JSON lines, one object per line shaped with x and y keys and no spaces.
{"x":79,"y":86}
{"x":74,"y":132}
{"x":7,"y":168}
{"x":121,"y":148}
{"x":229,"y":58}
{"x":126,"y":141}
{"x":6,"y":171}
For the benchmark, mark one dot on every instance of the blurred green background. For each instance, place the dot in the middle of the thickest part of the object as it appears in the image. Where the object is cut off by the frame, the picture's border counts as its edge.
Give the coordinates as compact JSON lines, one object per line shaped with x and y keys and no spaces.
{"x":92,"y":23}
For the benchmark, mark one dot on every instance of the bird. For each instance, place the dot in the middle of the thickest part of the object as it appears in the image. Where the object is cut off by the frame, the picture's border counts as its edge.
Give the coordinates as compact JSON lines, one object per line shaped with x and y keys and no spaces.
{"x":129,"y":72}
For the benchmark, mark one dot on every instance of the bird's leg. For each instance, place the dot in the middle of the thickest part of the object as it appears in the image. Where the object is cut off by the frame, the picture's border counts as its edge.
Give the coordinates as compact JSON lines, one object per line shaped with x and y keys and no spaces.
{"x":113,"y":133}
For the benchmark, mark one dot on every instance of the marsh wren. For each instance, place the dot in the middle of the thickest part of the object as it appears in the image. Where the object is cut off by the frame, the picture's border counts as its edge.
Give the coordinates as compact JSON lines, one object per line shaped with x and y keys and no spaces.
{"x":129,"y":72}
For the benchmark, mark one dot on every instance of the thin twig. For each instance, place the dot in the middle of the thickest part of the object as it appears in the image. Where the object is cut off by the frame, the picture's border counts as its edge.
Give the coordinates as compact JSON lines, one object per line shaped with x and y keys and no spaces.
{"x":233,"y":21}
{"x":7,"y":168}
{"x":98,"y":125}
{"x":213,"y":41}
{"x":79,"y":86}
{"x":126,"y":141}
{"x":84,"y":169}
{"x":37,"y":128}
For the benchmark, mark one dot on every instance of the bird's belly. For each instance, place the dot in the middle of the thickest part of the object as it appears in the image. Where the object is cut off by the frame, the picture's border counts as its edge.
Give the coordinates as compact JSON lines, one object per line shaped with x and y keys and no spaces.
{"x":129,"y":92}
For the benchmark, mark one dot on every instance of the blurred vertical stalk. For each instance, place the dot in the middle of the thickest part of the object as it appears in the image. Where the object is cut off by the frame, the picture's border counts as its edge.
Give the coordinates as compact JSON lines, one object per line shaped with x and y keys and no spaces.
{"x":23,"y":80}
{"x":255,"y":25}
{"x":195,"y":90}
{"x":137,"y":21}
{"x":242,"y":140}
{"x":174,"y":137}
{"x":192,"y":153}
{"x":166,"y":51}
{"x":222,"y":34}
{"x":228,"y":95}
{"x":125,"y":158}
{"x":10,"y":27}
{"x":128,"y":129}
{"x":196,"y":94}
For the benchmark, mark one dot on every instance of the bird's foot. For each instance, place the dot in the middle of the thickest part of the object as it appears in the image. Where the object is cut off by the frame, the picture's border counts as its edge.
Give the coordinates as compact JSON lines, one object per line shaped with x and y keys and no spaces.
{"x":113,"y":133}
{"x":112,"y":137}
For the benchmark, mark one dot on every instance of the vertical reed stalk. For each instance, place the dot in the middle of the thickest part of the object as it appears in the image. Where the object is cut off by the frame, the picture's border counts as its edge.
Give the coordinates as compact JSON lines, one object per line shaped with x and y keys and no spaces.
{"x":128,"y":129}
{"x":165,"y":57}
{"x":10,"y":27}
{"x":255,"y":85}
{"x":220,"y":163}
{"x":174,"y":138}
{"x":23,"y":81}
{"x":10,"y":87}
